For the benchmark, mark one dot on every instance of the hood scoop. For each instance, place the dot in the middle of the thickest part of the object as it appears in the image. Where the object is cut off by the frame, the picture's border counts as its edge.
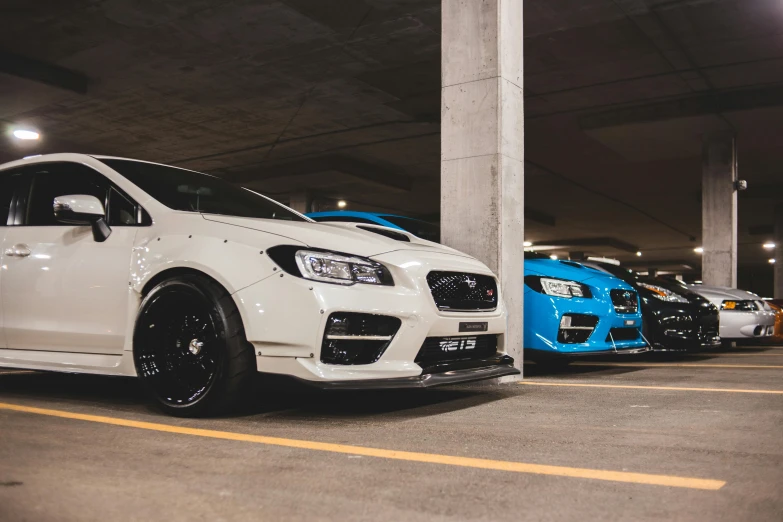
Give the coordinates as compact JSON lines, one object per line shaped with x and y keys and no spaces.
{"x":391,"y":234}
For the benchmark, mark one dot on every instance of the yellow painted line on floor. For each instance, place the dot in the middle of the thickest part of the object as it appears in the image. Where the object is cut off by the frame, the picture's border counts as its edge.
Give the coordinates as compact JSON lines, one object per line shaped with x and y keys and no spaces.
{"x":670,"y":365}
{"x":430,"y":458}
{"x":731,"y":354}
{"x":634,"y":387}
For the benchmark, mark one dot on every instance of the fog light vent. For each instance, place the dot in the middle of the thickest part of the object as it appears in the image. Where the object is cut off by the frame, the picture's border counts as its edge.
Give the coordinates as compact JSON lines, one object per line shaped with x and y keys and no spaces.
{"x":576,"y":328}
{"x":352,"y":338}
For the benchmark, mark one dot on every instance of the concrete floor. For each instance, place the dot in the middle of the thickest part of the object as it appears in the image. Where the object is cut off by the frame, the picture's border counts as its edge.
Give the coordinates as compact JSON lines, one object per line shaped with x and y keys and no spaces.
{"x":54,"y":468}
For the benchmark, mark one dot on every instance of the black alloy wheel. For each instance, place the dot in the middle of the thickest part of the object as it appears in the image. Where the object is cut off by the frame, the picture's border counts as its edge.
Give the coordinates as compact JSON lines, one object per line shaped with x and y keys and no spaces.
{"x":190,"y":348}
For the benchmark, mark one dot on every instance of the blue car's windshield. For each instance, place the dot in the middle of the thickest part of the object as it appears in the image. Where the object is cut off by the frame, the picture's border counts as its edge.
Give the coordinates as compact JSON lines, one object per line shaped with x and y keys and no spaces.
{"x":416,"y":227}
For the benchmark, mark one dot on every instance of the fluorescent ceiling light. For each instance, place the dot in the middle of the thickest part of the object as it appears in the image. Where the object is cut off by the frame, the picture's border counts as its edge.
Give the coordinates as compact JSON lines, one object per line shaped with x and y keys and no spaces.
{"x":342,"y":203}
{"x":23,"y":134}
{"x":527,"y":243}
{"x":772,"y":261}
{"x":699,"y":250}
{"x":769,"y":245}
{"x":639,"y":254}
{"x":553,"y":257}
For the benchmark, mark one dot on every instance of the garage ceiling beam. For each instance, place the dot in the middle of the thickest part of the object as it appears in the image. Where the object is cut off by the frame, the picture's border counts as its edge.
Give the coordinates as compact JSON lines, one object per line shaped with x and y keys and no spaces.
{"x":361,"y":170}
{"x":42,"y":72}
{"x":592,"y":241}
{"x":685,"y":107}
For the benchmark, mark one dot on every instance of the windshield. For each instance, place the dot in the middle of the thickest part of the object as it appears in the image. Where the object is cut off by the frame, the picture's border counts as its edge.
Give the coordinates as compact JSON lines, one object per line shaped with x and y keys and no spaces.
{"x":190,"y":191}
{"x":416,"y":227}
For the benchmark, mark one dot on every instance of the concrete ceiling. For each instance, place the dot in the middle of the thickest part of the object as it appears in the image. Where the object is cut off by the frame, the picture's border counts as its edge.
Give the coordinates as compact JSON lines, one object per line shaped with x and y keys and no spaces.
{"x":342,"y":98}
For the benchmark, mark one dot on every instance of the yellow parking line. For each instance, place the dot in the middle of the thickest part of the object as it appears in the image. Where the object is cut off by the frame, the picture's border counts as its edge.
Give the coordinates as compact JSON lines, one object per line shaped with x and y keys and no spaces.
{"x":630,"y":387}
{"x":671,"y":365}
{"x":498,"y":465}
{"x":760,"y":354}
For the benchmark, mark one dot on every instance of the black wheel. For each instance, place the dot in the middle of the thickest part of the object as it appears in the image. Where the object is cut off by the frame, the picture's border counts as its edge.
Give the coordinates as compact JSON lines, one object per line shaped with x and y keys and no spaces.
{"x":190,"y":348}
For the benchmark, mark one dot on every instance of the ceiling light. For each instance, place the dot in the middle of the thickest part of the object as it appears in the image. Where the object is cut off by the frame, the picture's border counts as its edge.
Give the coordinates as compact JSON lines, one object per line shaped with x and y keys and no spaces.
{"x":638,"y":254}
{"x":342,"y":203}
{"x":527,"y":243}
{"x":769,"y":245}
{"x":772,"y":261}
{"x":699,"y":250}
{"x":24,"y":134}
{"x":553,"y":257}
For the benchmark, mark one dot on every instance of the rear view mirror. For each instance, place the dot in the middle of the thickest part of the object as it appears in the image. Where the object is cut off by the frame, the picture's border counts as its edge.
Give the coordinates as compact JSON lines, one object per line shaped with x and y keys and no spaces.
{"x":81,"y":209}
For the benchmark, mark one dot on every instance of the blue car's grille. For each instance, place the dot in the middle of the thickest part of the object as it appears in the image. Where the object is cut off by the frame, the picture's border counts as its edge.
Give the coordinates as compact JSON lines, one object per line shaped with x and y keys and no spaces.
{"x":624,"y":301}
{"x":460,"y":292}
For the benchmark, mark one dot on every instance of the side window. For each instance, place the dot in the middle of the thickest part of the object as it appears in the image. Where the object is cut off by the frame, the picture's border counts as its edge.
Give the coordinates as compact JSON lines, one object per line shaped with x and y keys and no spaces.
{"x":60,"y":179}
{"x":122,"y":211}
{"x":8,"y":183}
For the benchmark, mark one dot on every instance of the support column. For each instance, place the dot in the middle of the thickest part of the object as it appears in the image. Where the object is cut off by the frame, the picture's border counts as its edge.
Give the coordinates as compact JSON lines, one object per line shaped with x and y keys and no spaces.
{"x":779,"y":251}
{"x":300,"y":201}
{"x":482,"y":143}
{"x":719,"y":209}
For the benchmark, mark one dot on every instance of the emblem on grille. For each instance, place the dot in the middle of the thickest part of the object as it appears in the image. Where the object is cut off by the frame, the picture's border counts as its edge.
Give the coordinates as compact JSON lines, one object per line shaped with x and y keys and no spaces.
{"x":470,"y":282}
{"x":454,"y":345}
{"x":627,"y":296}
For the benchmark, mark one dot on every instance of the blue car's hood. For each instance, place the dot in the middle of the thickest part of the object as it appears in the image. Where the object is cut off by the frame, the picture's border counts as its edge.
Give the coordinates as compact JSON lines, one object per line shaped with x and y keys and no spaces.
{"x":572,"y":272}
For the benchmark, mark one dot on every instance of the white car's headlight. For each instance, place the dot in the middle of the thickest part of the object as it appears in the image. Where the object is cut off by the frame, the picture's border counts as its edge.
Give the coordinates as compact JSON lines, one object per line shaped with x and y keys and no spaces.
{"x":663,"y":294}
{"x":558,"y":287}
{"x":330,"y":267}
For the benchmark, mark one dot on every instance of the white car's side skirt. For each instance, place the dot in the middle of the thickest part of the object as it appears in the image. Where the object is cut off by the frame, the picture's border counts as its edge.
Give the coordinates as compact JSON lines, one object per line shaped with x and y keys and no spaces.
{"x":69,"y":362}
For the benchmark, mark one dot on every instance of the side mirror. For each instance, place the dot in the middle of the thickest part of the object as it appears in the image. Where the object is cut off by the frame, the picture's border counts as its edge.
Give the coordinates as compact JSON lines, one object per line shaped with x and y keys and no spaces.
{"x":81,"y":209}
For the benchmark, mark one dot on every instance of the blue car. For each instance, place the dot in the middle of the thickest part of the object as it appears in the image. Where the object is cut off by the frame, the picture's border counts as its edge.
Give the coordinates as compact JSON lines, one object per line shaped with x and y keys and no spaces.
{"x":417,"y":227}
{"x":573,"y":310}
{"x":570,"y":309}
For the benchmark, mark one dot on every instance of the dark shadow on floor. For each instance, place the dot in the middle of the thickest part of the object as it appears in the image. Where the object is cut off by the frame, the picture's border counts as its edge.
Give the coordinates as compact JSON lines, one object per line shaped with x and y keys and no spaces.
{"x":272,"y":395}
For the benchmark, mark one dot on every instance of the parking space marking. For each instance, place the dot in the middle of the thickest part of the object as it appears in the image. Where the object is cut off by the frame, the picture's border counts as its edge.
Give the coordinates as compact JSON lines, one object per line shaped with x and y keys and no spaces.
{"x":760,"y":354}
{"x":430,"y":458}
{"x":671,"y":365}
{"x":636,"y":387}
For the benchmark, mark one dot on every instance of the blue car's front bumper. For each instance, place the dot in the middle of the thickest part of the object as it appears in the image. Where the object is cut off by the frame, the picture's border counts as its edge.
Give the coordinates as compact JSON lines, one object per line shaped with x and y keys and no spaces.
{"x":543,"y":314}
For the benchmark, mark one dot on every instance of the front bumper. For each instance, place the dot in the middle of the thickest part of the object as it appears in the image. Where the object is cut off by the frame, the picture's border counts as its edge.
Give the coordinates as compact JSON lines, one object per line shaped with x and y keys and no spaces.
{"x":290,"y":343}
{"x":736,"y":325}
{"x":680,"y":327}
{"x":446,"y":373}
{"x":543,"y":314}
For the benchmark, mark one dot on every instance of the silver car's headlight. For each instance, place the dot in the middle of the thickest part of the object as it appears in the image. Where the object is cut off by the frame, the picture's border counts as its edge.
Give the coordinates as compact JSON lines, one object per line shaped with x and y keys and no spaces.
{"x":330,"y":267}
{"x":663,"y":294}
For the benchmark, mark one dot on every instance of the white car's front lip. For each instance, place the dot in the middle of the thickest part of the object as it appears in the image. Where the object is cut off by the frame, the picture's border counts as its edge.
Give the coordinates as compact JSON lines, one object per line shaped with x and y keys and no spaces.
{"x":295,"y":349}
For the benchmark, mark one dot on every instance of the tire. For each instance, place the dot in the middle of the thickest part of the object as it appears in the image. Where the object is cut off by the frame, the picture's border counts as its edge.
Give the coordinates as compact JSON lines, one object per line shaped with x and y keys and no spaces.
{"x":190,"y":349}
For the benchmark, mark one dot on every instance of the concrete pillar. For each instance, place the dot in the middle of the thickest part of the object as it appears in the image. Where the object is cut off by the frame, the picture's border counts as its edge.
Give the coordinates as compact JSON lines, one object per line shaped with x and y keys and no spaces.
{"x":779,"y":251}
{"x":482,"y":143}
{"x":300,"y":201}
{"x":719,"y":209}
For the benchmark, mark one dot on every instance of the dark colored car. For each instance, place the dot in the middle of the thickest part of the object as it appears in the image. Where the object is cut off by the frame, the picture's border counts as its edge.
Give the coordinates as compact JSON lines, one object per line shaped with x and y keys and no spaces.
{"x":675,"y":319}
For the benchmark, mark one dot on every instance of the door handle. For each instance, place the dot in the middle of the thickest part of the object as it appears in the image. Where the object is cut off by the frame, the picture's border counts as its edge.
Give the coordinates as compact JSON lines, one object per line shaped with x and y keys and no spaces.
{"x":20,"y":250}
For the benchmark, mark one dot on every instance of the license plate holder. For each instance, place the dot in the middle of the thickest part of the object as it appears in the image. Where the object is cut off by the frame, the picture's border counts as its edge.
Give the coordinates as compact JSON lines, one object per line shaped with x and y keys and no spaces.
{"x":476,"y":326}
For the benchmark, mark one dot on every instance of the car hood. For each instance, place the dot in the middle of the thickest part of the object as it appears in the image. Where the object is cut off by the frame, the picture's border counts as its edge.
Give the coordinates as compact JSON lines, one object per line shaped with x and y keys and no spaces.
{"x":720,"y":292}
{"x":340,"y":237}
{"x":573,"y":272}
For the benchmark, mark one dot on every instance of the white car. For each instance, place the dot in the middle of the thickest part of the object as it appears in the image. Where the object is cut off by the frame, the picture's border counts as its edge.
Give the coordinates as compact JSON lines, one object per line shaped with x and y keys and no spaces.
{"x":743,"y":315}
{"x":122,"y":267}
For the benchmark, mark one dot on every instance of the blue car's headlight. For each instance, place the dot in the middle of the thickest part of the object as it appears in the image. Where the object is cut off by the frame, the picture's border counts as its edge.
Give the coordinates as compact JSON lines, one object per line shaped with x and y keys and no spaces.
{"x":558,"y":287}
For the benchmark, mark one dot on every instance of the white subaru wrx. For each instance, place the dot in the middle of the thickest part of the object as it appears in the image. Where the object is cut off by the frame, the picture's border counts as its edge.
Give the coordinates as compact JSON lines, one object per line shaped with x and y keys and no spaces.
{"x":122,"y":267}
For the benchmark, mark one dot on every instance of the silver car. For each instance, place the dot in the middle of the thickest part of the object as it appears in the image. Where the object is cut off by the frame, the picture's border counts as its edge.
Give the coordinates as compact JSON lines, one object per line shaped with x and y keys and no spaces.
{"x":743,"y":315}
